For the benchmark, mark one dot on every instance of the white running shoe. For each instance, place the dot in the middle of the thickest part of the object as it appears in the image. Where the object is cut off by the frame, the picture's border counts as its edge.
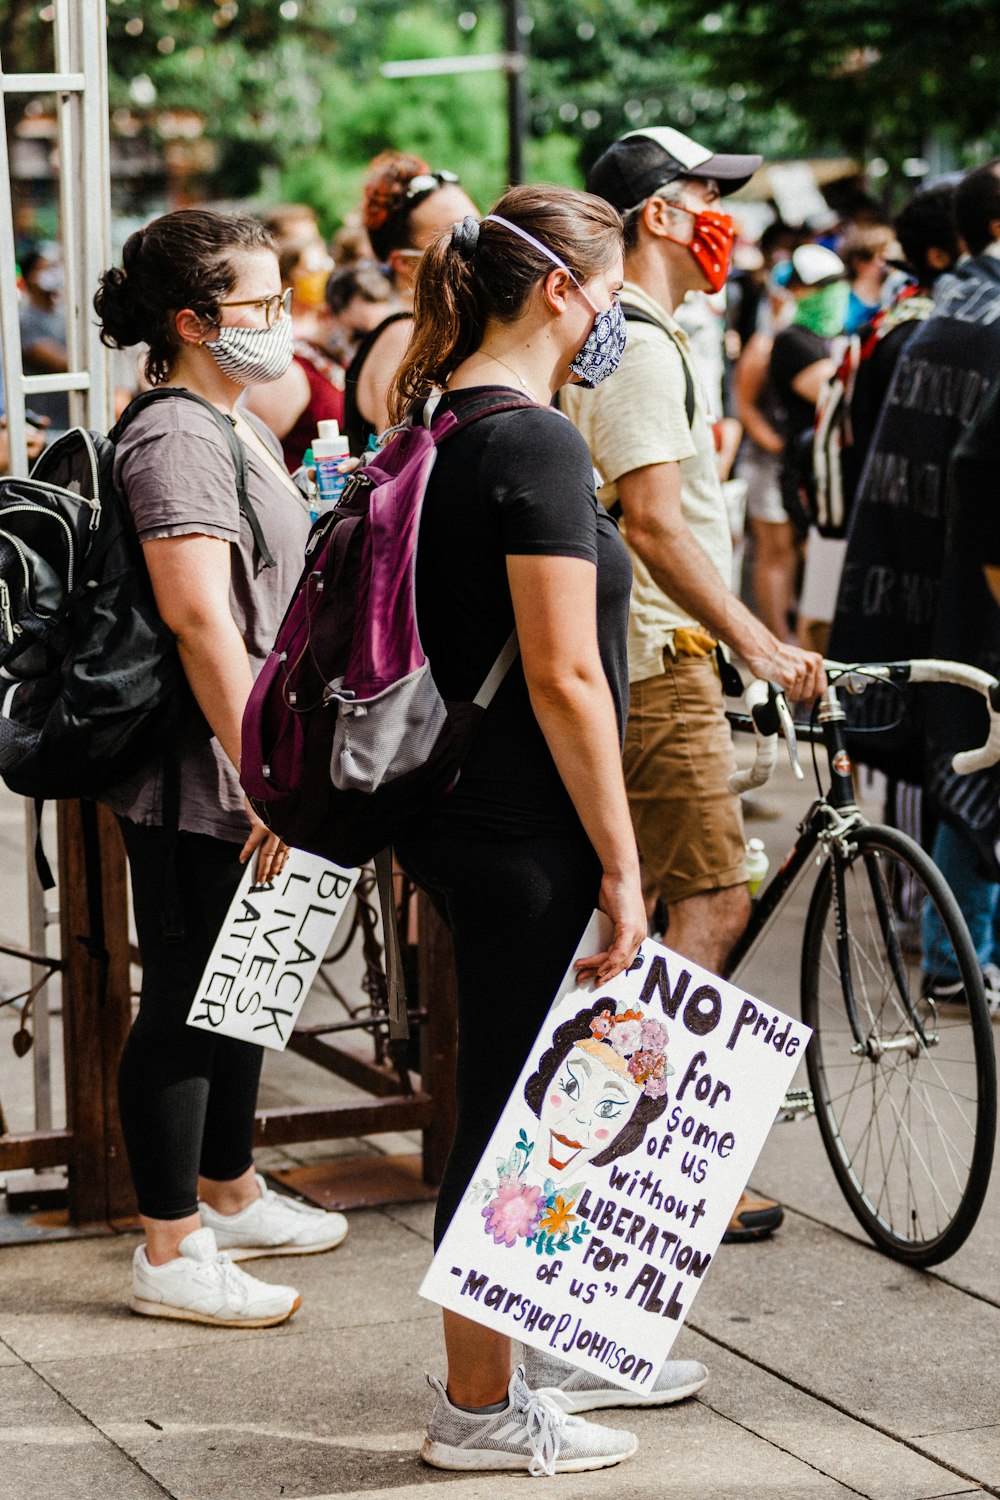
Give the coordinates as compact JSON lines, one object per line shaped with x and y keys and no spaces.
{"x":529,"y":1433}
{"x":203,"y":1286}
{"x":274,"y":1225}
{"x":577,"y":1390}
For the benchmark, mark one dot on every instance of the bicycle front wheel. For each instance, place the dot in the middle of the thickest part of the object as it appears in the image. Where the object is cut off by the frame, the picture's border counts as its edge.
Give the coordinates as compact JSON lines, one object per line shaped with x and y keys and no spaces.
{"x":906,"y":1098}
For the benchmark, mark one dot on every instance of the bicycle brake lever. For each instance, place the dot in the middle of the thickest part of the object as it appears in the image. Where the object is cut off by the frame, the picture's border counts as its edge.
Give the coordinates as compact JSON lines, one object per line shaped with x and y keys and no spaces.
{"x":788,"y":730}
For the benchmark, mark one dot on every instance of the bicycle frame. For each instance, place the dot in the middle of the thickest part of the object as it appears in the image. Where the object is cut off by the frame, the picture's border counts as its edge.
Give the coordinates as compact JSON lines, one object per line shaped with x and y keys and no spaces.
{"x":839,"y":800}
{"x":831,"y":816}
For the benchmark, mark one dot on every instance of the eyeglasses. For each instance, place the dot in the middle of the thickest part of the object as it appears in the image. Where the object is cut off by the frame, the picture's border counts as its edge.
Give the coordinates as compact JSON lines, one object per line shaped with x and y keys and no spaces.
{"x":427,"y":182}
{"x":276,"y":307}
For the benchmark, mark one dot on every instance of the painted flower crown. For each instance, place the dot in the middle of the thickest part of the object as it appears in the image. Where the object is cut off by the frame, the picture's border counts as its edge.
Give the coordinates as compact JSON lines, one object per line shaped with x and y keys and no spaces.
{"x":641,"y":1043}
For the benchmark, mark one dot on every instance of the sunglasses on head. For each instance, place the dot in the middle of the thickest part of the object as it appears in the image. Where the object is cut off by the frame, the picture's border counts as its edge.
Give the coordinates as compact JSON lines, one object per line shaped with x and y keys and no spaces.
{"x":427,"y":182}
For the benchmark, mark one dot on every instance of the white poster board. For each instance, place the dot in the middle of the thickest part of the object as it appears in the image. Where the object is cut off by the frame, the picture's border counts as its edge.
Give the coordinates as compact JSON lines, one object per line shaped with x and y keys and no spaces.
{"x":616,"y":1165}
{"x":269,"y":947}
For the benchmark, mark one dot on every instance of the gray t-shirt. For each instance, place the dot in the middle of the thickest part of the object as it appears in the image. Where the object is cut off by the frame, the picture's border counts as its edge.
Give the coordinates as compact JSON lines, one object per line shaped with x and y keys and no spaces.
{"x":174,"y":468}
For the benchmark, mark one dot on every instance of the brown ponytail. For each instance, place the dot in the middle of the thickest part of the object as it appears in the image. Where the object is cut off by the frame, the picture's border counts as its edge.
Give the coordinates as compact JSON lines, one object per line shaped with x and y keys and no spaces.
{"x":466,"y":279}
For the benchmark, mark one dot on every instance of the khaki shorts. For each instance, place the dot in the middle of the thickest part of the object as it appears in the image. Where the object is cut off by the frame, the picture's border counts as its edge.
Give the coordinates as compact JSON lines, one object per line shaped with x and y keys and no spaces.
{"x":678,"y":754}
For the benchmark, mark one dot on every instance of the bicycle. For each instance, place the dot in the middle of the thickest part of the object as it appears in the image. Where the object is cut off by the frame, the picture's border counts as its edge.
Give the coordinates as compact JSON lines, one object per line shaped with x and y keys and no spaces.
{"x":903,"y":1087}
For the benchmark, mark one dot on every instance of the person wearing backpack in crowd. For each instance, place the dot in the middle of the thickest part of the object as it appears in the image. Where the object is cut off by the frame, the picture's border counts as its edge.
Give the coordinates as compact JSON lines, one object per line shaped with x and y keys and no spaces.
{"x":913,"y":583}
{"x":406,"y":207}
{"x":928,"y":238}
{"x":650,"y":439}
{"x":536,"y":832}
{"x":202,"y":291}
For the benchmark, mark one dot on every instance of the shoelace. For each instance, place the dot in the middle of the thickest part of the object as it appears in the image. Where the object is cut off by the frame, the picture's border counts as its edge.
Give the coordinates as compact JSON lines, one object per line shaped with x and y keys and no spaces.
{"x":544,"y":1423}
{"x":234,"y":1280}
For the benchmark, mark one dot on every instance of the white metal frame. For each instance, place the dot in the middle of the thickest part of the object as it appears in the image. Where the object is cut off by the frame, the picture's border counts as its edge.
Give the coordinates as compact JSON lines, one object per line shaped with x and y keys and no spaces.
{"x":80,"y":85}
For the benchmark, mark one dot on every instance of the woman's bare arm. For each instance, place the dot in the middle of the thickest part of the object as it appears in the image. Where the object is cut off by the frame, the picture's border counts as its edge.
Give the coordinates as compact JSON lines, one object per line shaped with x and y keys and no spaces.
{"x":555,"y":610}
{"x":191,"y":579}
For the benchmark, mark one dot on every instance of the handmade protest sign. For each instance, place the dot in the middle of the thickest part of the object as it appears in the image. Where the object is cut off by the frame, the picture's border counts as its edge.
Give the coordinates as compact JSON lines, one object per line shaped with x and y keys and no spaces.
{"x":613,"y":1172}
{"x":269,"y":948}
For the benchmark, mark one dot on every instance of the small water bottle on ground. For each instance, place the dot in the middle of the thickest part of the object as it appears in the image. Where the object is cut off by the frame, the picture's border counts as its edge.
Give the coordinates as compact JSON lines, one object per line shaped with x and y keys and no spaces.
{"x":758,"y":865}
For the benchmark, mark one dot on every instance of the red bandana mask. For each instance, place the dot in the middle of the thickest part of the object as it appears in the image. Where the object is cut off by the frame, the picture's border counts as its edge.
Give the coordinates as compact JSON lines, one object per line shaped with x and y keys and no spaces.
{"x":711,"y":243}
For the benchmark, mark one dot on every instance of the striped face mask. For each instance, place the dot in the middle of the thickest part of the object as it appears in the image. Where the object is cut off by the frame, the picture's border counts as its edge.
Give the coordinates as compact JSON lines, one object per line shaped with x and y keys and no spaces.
{"x":251,"y":356}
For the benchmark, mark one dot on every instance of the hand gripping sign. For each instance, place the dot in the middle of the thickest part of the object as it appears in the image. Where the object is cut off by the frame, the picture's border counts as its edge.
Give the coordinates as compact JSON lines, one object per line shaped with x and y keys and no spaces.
{"x":614,"y":1170}
{"x":269,"y":947}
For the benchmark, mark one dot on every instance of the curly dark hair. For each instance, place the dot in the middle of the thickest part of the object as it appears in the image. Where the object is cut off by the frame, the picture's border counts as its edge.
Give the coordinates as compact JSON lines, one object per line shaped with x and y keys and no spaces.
{"x":182,"y":259}
{"x":577,"y":1029}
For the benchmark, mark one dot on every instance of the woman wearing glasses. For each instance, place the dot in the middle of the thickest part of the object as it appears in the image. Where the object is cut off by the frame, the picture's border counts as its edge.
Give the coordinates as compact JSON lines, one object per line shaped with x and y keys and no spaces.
{"x":202,"y":290}
{"x":406,"y":208}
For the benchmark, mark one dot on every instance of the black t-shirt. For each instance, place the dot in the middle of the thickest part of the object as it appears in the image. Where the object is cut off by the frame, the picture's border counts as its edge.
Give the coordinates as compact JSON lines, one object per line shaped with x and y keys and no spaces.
{"x":795,"y":349}
{"x":512,"y":484}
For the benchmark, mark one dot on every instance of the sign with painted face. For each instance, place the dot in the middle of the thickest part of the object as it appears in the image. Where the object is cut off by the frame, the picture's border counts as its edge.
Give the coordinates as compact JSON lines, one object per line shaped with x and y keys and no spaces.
{"x":269,"y":948}
{"x":613,"y":1172}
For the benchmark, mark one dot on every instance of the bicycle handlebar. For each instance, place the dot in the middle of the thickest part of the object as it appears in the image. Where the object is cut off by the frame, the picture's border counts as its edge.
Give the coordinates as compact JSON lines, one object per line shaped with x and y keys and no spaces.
{"x":769,"y":713}
{"x":758,"y":700}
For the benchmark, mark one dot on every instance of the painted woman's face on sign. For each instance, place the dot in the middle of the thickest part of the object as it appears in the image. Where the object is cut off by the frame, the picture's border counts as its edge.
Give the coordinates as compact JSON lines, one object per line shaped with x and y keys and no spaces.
{"x":587,"y":1104}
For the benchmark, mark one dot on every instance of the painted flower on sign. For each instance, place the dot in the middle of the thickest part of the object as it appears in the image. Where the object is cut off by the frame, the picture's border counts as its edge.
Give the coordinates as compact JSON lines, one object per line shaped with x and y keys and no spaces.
{"x":514,"y":1212}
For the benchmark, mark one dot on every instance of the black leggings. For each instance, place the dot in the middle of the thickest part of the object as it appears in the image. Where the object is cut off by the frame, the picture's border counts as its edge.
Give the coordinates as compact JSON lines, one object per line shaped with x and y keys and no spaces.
{"x":187,"y":1098}
{"x":516,"y":911}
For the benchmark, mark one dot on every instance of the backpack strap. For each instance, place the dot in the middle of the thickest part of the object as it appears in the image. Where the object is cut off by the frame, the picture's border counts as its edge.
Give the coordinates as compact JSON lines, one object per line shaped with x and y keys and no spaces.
{"x":399,"y":1027}
{"x":635,"y":314}
{"x":498,"y":672}
{"x":236,"y":452}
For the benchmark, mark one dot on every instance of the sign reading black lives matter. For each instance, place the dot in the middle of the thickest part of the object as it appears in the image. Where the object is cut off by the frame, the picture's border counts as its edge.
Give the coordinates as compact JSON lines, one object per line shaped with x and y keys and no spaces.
{"x":610,"y":1179}
{"x":269,"y":947}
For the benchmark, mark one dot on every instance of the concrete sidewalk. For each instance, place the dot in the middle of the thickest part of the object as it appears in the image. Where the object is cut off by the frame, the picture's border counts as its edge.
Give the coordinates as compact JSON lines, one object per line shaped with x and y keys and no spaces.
{"x":835,"y":1371}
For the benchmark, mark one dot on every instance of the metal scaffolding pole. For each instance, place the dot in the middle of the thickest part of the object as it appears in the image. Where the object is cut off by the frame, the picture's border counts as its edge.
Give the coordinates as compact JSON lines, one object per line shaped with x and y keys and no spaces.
{"x":79,"y":83}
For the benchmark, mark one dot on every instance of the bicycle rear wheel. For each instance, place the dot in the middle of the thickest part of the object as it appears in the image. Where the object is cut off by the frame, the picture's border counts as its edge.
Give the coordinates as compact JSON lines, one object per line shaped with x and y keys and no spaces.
{"x":908,"y":1118}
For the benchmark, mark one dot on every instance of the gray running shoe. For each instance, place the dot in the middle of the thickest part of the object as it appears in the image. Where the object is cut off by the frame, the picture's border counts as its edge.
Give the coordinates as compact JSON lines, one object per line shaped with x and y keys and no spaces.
{"x":578,"y":1390}
{"x":530,"y":1433}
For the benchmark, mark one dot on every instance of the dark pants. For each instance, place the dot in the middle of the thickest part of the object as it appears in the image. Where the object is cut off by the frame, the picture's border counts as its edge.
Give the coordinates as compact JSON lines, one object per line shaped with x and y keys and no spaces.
{"x":516,"y":910}
{"x":187,"y":1098}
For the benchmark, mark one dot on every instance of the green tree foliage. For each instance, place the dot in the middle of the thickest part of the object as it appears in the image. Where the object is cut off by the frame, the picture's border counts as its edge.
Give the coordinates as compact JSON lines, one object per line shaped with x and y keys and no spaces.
{"x":888,"y":77}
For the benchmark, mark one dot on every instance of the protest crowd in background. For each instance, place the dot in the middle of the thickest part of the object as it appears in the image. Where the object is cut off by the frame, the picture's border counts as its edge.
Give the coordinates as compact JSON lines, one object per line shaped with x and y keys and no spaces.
{"x":702,"y":424}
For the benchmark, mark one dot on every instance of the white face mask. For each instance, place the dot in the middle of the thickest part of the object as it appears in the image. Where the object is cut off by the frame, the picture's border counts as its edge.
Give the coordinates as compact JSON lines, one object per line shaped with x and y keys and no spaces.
{"x":252,"y":356}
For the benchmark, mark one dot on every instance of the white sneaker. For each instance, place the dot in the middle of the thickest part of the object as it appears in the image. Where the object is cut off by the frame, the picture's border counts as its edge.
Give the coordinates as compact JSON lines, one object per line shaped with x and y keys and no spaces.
{"x":274,"y":1225}
{"x":577,"y":1390}
{"x":203,"y":1286}
{"x":529,"y":1433}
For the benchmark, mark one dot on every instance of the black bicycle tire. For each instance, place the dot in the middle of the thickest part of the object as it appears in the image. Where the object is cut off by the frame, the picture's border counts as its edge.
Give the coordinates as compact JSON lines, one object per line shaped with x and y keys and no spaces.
{"x":872,"y":838}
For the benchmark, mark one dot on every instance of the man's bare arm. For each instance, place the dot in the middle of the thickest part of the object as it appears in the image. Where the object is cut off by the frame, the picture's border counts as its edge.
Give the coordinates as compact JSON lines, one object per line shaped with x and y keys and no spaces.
{"x":655,"y":526}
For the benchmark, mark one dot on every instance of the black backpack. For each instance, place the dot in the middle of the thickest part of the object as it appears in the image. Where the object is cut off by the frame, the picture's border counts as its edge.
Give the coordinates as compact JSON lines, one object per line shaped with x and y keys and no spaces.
{"x":90,"y":679}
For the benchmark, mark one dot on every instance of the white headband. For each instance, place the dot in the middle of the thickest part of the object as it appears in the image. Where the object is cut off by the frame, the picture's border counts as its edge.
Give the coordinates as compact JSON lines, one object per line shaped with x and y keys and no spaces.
{"x":530,"y":239}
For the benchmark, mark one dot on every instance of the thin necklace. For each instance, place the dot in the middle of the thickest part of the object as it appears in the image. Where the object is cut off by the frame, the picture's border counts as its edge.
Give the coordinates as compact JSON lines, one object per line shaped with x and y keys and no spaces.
{"x":497,"y":360}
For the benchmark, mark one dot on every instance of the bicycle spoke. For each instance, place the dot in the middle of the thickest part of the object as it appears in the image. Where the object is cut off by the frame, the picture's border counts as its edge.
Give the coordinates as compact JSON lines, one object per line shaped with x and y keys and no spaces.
{"x":902,"y":1117}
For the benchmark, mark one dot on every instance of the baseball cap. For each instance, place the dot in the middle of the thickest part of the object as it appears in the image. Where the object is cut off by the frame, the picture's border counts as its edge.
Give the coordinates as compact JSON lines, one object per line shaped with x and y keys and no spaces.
{"x":815,"y":266}
{"x":643,"y":160}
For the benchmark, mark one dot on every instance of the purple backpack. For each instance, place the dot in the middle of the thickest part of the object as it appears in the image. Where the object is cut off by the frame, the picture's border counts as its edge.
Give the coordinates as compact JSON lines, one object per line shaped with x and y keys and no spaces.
{"x":346,"y":739}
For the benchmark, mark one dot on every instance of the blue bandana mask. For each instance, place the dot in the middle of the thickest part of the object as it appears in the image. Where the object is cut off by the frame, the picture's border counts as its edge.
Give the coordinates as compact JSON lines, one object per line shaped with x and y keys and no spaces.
{"x":602,"y":350}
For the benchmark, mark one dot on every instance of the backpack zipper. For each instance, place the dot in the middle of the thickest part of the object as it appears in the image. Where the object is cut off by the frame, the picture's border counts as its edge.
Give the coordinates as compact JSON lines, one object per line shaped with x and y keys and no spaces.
{"x":5,"y":614}
{"x":50,"y":515}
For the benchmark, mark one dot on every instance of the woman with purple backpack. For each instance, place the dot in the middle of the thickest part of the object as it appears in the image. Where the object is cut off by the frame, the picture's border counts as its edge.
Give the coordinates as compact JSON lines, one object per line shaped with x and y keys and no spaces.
{"x":537,"y":830}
